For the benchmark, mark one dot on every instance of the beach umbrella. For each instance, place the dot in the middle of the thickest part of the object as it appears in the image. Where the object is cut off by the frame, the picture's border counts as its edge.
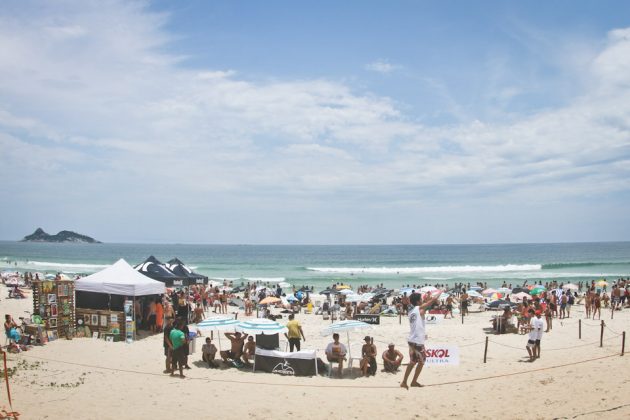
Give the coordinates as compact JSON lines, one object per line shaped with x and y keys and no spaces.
{"x":353,"y":298}
{"x":428,"y":289}
{"x":269,"y":300}
{"x":504,"y":290}
{"x":346,"y":292}
{"x":489,"y":291}
{"x":519,"y":290}
{"x":473,"y":293}
{"x":218,"y":324}
{"x":347,"y":326}
{"x":495,"y":296}
{"x":499,"y":304}
{"x":343,"y":286}
{"x":477,"y":288}
{"x":602,"y":283}
{"x":291,"y":298}
{"x":366,"y":297}
{"x":570,"y":286}
{"x":260,"y":326}
{"x":521,"y":295}
{"x":536,"y":291}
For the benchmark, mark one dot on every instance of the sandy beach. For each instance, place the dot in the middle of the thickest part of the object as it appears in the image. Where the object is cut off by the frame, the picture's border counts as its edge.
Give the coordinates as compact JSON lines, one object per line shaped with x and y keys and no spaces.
{"x":86,"y":378}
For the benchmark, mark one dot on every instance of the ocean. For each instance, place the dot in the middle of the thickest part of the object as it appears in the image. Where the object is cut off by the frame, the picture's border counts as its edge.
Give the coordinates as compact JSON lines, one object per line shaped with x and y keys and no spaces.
{"x":319,"y":266}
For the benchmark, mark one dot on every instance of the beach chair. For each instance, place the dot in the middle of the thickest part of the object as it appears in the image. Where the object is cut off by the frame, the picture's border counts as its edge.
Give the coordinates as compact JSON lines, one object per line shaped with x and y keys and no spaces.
{"x":356,"y":352}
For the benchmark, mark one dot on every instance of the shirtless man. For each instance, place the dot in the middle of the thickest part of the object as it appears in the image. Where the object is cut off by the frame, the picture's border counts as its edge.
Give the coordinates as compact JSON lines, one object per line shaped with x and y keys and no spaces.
{"x":236,"y":349}
{"x":250,"y":350}
{"x":597,"y":307}
{"x":368,"y":352}
{"x":464,"y":303}
{"x":616,"y":297}
{"x":392,"y":359}
{"x":417,"y":337}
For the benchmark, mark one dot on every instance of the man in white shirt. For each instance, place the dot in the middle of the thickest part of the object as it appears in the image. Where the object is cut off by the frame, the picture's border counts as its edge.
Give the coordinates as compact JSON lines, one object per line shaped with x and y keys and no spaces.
{"x":336,"y":352}
{"x":535,"y":335}
{"x":417,"y":337}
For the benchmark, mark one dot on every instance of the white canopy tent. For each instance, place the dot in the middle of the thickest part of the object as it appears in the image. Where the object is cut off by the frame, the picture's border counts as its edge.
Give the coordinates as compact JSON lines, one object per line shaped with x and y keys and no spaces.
{"x":120,"y":279}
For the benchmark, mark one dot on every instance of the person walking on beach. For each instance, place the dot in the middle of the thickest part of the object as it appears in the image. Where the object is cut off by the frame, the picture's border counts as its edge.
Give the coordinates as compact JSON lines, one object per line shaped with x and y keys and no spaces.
{"x":597,"y":307}
{"x":294,"y":332}
{"x":417,"y":337}
{"x":536,"y":334}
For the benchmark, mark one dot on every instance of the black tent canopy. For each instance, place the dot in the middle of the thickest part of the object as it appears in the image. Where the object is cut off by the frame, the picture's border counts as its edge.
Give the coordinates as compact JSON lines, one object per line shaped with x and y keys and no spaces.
{"x":153,"y":268}
{"x":182,"y":270}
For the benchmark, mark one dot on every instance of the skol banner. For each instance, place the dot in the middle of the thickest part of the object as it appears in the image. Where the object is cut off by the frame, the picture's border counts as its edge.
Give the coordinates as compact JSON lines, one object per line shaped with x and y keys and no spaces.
{"x":442,"y":355}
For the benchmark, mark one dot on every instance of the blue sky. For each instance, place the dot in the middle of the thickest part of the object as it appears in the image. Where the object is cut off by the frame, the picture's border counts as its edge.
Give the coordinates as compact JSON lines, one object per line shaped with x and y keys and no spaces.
{"x":320,"y":122}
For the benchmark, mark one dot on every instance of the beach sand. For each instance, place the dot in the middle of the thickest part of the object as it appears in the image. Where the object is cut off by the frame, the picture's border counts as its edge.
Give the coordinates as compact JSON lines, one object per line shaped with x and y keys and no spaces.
{"x":93,"y":379}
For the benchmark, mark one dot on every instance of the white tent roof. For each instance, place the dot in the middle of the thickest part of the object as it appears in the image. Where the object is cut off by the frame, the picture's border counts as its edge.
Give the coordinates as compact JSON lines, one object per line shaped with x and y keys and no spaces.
{"x":120,"y":279}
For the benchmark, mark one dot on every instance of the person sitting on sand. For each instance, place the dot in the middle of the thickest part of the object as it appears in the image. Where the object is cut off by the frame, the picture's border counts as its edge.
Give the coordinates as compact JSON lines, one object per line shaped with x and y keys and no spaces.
{"x":208,"y":353}
{"x":392,"y":359}
{"x":236,"y":349}
{"x":336,"y":352}
{"x":250,"y":350}
{"x":368,"y":362}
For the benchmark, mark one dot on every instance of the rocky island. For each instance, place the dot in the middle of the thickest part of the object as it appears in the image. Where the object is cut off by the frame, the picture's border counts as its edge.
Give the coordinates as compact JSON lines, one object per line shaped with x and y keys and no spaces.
{"x":64,"y":236}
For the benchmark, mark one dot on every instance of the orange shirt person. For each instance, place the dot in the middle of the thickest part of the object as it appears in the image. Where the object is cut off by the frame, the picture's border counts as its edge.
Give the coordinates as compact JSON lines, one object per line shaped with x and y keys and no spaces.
{"x":159,"y":315}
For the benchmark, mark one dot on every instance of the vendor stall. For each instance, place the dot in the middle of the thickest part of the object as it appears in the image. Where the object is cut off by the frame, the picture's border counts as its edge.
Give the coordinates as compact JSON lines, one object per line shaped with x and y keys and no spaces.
{"x":54,"y":305}
{"x":105,"y":300}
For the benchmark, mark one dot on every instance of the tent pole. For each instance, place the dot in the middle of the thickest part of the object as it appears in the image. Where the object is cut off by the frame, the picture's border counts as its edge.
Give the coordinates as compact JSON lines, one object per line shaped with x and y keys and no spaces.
{"x":135,"y":326}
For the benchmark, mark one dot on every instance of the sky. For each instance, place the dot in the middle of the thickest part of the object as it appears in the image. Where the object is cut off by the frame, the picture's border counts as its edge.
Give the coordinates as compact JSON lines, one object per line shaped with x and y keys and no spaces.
{"x":282,"y":122}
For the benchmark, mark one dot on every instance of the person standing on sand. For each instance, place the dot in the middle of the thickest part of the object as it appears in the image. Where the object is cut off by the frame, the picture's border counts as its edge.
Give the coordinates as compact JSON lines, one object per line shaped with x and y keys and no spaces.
{"x":178,"y":340}
{"x":294,"y":333}
{"x":417,"y":337}
{"x":536,"y":333}
{"x":168,"y":346}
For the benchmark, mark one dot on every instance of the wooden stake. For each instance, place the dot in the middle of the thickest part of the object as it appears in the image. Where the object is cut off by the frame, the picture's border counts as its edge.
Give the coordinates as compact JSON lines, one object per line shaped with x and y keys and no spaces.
{"x":601,"y":336}
{"x":485,"y":351}
{"x":623,"y":343}
{"x":580,"y":329}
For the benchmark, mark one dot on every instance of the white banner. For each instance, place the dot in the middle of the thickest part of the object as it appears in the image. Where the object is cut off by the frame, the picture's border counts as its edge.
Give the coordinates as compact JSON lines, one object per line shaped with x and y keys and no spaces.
{"x":442,"y":355}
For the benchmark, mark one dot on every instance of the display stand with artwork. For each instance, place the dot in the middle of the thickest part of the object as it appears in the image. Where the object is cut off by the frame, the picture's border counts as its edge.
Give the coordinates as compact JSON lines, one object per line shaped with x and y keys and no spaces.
{"x":104,"y":322}
{"x":54,"y":302}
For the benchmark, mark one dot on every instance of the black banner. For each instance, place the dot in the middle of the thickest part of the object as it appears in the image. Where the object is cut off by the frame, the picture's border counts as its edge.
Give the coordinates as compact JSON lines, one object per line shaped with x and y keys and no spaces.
{"x":284,"y":364}
{"x":368,"y":319}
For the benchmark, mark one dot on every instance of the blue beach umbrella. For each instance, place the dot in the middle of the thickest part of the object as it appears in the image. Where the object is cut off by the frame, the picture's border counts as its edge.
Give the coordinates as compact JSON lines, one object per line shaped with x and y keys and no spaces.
{"x":260,"y":326}
{"x":216,"y":324}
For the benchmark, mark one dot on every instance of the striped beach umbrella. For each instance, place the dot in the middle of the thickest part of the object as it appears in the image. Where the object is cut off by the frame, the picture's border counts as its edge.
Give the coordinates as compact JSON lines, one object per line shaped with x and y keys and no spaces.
{"x":218,"y":324}
{"x":260,"y":326}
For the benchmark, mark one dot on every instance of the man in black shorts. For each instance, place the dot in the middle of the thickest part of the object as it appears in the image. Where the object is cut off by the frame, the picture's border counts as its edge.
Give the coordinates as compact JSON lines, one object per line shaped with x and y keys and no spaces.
{"x":236,"y":349}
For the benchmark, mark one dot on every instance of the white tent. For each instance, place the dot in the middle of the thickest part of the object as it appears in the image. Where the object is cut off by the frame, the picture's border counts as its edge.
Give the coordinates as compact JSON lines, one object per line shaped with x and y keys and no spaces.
{"x":120,"y":279}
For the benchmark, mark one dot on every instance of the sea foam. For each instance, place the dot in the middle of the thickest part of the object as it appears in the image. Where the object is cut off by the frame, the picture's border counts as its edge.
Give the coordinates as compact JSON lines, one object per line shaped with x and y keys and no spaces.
{"x":429,"y":269}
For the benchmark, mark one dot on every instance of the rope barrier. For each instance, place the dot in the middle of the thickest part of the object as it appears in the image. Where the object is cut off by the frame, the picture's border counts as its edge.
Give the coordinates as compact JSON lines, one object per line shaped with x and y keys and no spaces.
{"x":560,"y":348}
{"x":215,"y":380}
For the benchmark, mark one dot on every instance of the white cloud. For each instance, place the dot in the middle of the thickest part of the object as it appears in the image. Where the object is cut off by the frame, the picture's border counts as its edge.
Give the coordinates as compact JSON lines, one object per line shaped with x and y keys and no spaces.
{"x":382,"y":66}
{"x":102,"y":108}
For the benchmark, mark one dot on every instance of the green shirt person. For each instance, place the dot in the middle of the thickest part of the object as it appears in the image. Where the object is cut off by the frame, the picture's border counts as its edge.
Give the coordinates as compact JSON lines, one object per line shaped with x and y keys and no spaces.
{"x":178,"y":338}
